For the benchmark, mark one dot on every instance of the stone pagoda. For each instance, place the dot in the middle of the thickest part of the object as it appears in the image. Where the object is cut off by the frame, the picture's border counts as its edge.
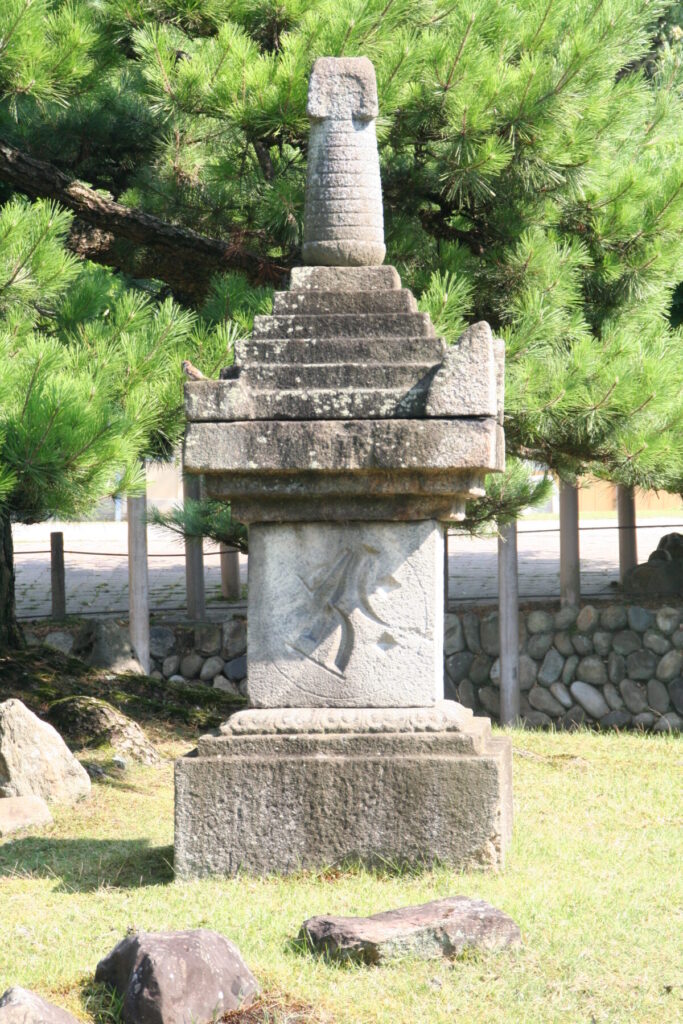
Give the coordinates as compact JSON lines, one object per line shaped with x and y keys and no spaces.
{"x":347,"y":436}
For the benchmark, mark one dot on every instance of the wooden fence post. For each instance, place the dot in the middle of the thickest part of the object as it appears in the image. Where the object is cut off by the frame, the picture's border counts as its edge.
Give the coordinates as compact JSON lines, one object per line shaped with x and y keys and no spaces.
{"x":138,"y":579}
{"x":508,"y":624}
{"x":570,"y":565}
{"x":626,"y":518}
{"x":57,"y":576}
{"x":231,"y":587}
{"x":194,"y":557}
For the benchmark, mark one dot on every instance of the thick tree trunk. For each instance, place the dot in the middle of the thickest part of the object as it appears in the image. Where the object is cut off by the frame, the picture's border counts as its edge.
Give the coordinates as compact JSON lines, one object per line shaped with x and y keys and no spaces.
{"x":182,"y":258}
{"x":10,"y":633}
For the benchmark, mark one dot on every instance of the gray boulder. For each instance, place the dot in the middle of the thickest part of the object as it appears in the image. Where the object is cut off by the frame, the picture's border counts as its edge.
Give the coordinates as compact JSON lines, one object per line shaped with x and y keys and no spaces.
{"x":60,"y":640}
{"x":489,"y":633}
{"x":668,"y":620}
{"x":657,"y":696}
{"x":465,"y":694}
{"x":91,"y":722}
{"x":639,"y":618}
{"x":208,"y":639}
{"x":563,"y":642}
{"x":489,"y":698}
{"x":191,"y":665}
{"x":670,"y":666}
{"x":566,"y":617}
{"x":569,"y":670}
{"x":442,"y":928}
{"x":161,"y":642}
{"x":212,"y":667}
{"x":654,"y":579}
{"x":236,"y":669}
{"x":35,"y":760}
{"x":541,"y":622}
{"x":454,"y":638}
{"x":602,"y":642}
{"x":676,"y":694}
{"x":582,"y":643}
{"x":528,"y":670}
{"x":111,"y":648}
{"x":190,"y":977}
{"x":572,"y":719}
{"x":592,"y":670}
{"x":562,"y":694}
{"x":626,"y":642}
{"x":20,"y":1006}
{"x":458,"y":666}
{"x":616,"y":667}
{"x":480,"y":669}
{"x":170,"y":666}
{"x":543,"y":700}
{"x":588,"y":619}
{"x":641,"y":665}
{"x":551,"y":669}
{"x":671,"y":722}
{"x":590,"y":699}
{"x":615,"y":720}
{"x":633,"y":695}
{"x":613,"y":617}
{"x":470,"y":625}
{"x":539,"y":644}
{"x":613,"y":697}
{"x":536,"y":720}
{"x":655,"y":642}
{"x":17,"y":812}
{"x":227,"y":685}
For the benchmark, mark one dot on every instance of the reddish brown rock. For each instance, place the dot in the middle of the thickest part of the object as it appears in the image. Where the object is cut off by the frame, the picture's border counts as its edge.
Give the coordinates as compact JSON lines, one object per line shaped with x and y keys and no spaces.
{"x":442,"y":928}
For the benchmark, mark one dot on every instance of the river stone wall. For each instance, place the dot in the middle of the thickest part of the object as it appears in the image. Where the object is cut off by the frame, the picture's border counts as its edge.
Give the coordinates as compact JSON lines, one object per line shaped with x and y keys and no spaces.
{"x":611,"y":665}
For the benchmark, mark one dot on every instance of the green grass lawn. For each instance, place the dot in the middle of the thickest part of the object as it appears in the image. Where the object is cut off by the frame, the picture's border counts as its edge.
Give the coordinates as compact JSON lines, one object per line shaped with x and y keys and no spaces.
{"x":593,"y":879}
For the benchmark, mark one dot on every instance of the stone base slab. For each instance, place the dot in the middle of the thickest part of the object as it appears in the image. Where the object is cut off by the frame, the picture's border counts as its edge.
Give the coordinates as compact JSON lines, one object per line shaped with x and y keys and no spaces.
{"x":268,"y":804}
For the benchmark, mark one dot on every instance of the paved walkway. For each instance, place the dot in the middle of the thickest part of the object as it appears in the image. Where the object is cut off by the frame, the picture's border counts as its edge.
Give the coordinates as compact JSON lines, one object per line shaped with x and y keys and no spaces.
{"x":97,"y":573}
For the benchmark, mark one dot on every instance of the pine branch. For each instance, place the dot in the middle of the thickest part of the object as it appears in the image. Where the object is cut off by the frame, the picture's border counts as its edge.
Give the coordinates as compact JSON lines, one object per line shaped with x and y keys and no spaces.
{"x":181,"y":257}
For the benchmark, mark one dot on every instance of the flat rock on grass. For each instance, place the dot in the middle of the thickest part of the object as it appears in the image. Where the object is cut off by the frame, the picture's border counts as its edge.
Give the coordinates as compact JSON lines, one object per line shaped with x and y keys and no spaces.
{"x":442,"y":928}
{"x":20,"y":1006}
{"x":35,"y":760}
{"x":190,"y":977}
{"x":91,"y":722}
{"x":17,"y":812}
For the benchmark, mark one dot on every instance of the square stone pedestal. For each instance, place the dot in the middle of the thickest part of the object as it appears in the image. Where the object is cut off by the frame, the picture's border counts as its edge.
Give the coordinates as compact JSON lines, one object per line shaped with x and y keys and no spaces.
{"x":280,"y":790}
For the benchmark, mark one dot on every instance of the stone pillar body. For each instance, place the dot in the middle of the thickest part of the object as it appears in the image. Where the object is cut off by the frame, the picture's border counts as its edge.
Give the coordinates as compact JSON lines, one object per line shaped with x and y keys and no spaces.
{"x":343,"y":221}
{"x":347,"y":437}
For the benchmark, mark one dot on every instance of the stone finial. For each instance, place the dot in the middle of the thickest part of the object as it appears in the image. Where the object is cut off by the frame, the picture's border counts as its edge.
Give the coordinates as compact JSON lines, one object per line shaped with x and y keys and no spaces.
{"x":343,"y":221}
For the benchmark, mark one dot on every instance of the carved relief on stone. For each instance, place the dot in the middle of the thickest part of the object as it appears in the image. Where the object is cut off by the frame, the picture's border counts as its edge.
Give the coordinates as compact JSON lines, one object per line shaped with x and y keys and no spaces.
{"x":345,"y":617}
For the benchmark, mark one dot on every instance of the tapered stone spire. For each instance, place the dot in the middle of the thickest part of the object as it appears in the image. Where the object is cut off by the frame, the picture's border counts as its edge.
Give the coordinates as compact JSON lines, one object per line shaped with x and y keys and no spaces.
{"x":343,"y":222}
{"x":345,"y":434}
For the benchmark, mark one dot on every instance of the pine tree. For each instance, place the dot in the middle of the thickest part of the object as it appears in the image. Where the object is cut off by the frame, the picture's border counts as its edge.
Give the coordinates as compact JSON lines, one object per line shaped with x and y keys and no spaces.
{"x":531,"y":170}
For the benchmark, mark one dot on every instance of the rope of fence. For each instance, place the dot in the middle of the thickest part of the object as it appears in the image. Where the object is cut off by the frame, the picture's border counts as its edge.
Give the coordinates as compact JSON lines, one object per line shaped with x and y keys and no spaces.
{"x":115,"y":554}
{"x":208,"y":554}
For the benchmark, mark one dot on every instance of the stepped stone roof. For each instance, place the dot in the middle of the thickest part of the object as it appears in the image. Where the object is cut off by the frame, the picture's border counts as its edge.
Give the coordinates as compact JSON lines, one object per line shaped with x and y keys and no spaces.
{"x":344,"y":404}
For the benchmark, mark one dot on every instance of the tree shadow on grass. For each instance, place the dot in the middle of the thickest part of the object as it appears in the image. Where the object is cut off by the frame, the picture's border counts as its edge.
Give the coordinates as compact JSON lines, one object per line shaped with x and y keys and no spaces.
{"x":85,"y":865}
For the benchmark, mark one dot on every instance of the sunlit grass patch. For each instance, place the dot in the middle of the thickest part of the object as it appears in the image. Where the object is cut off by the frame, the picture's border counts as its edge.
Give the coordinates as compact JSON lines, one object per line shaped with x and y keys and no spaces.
{"x":593,"y":879}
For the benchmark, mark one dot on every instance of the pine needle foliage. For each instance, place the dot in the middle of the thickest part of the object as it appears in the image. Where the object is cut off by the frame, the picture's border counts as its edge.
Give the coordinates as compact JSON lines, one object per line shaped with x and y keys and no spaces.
{"x":196,"y":519}
{"x":532,"y":175}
